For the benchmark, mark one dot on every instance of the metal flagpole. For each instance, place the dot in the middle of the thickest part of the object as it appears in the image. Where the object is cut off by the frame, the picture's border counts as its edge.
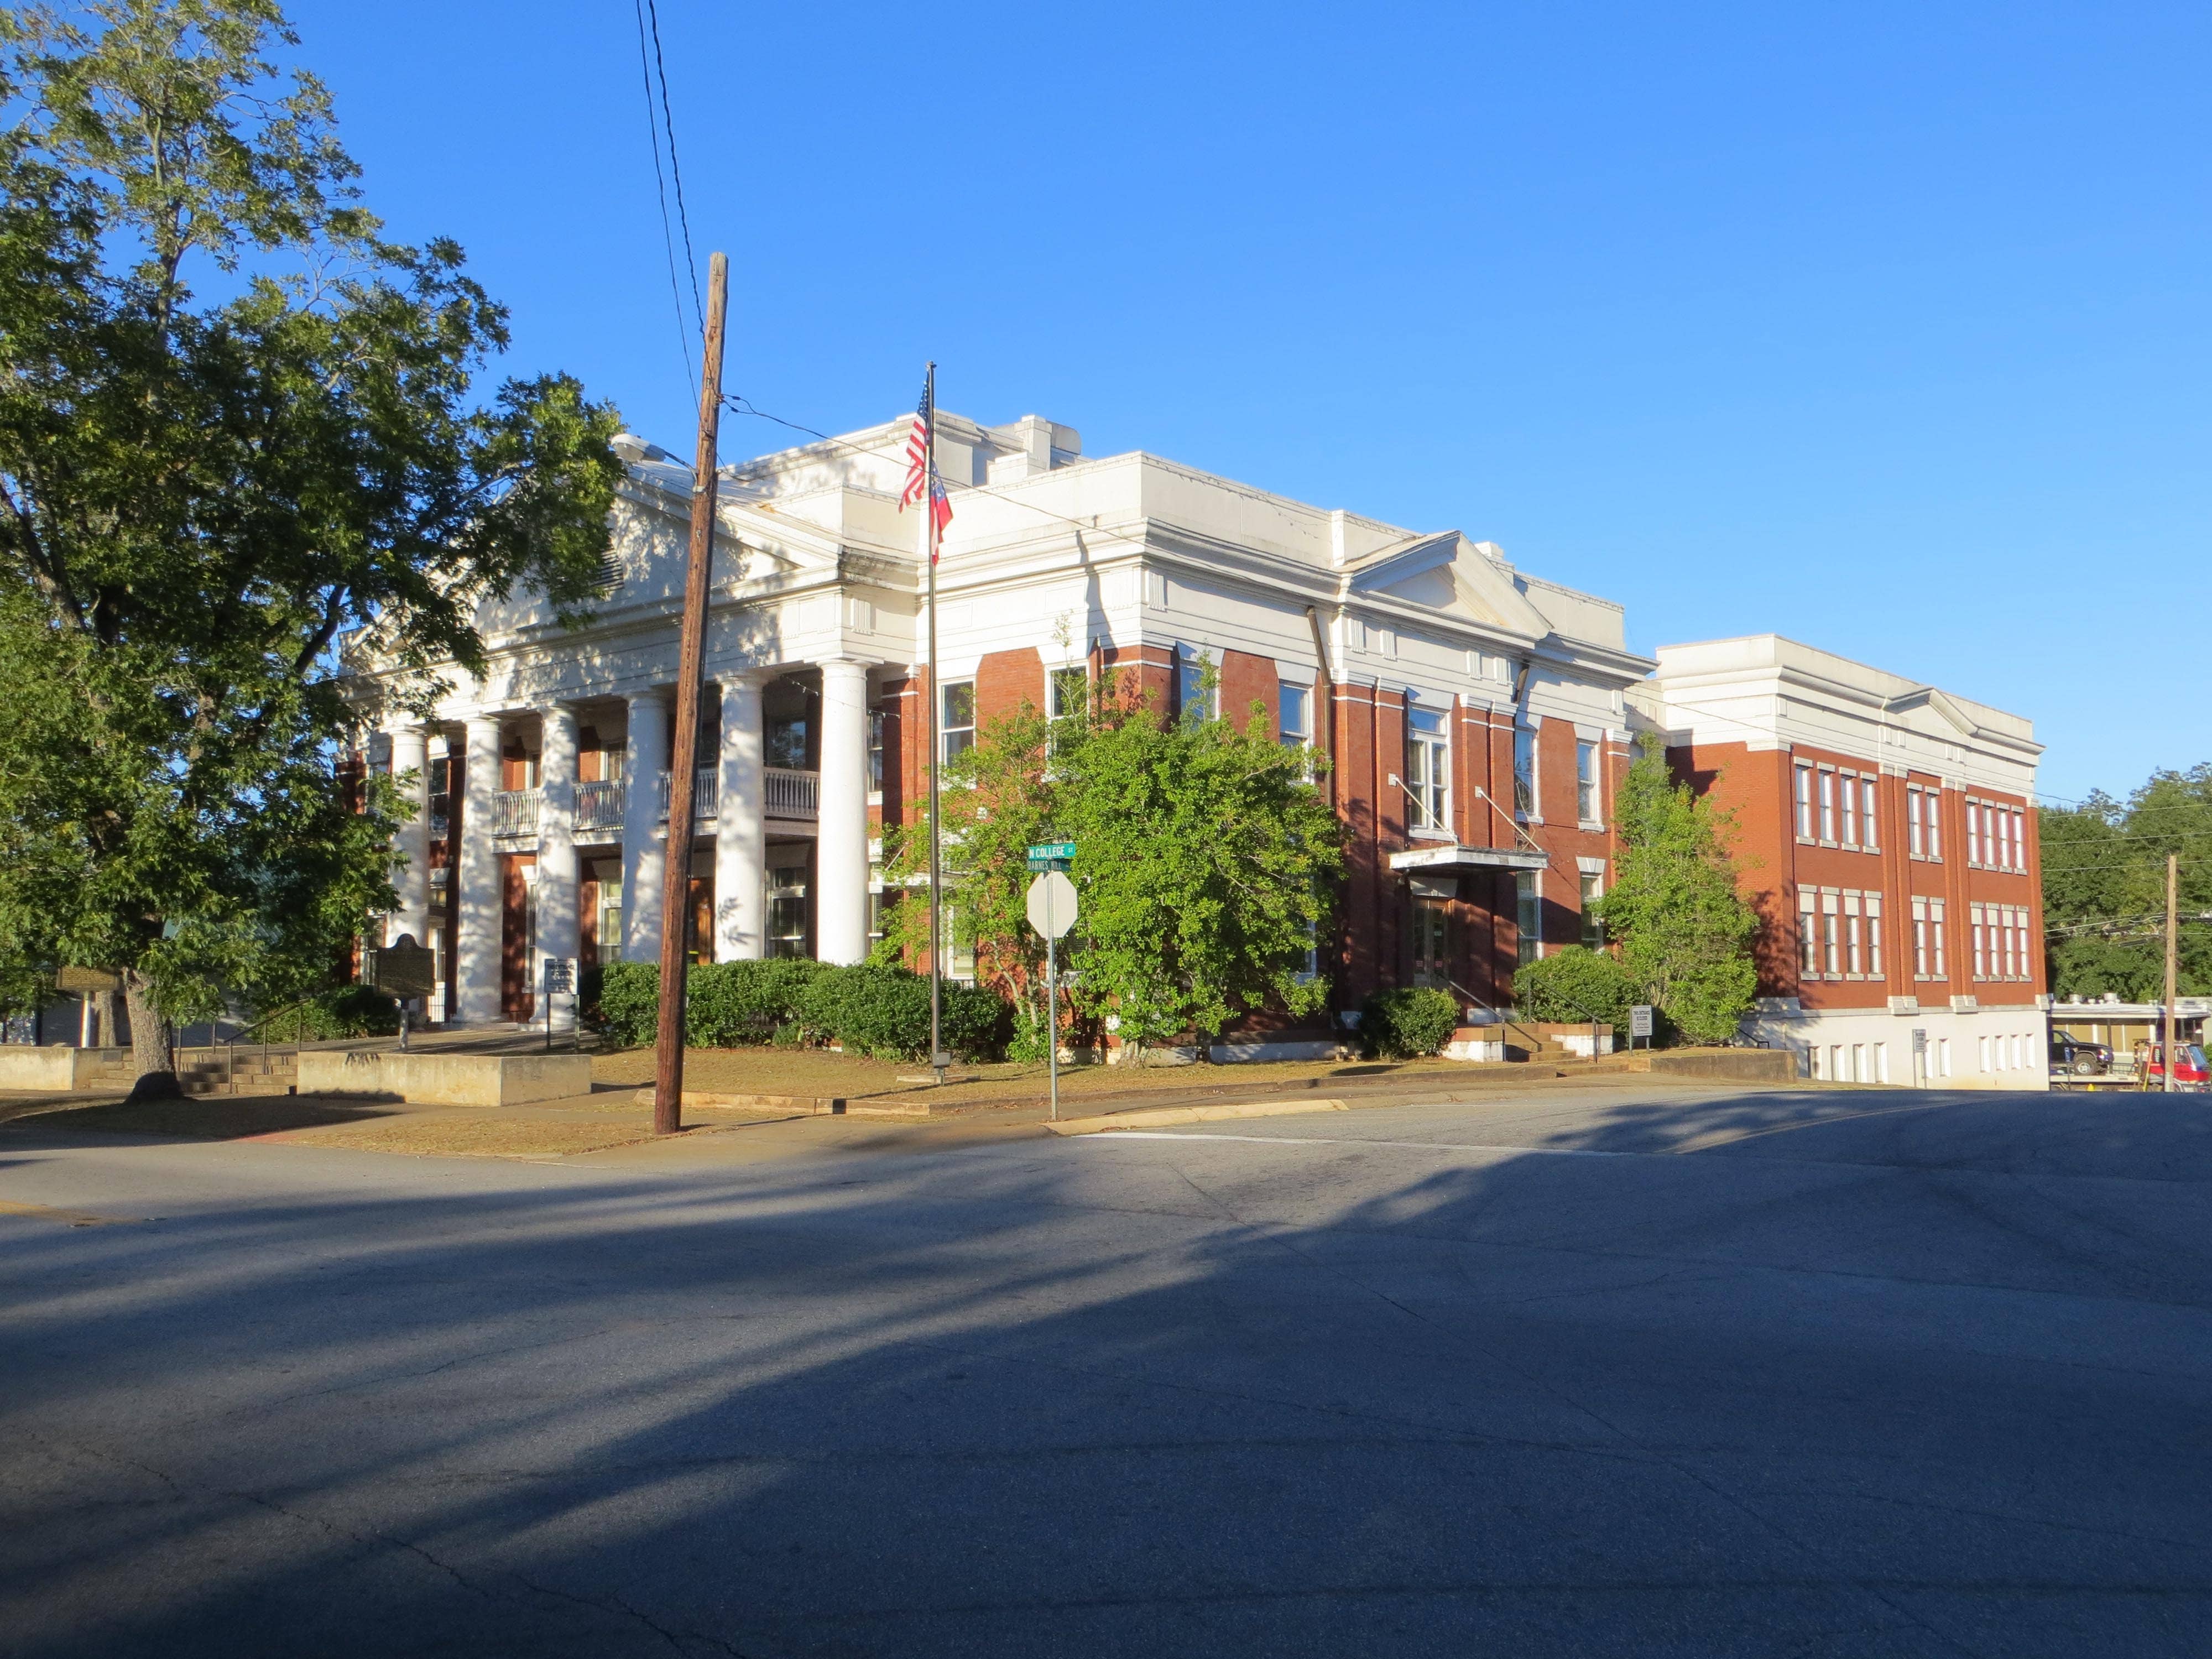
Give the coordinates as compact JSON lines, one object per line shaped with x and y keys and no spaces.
{"x":936,"y":1055}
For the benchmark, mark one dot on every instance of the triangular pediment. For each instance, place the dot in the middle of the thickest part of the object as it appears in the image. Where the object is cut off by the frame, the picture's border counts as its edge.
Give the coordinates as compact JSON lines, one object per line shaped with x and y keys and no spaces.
{"x":1447,"y":573}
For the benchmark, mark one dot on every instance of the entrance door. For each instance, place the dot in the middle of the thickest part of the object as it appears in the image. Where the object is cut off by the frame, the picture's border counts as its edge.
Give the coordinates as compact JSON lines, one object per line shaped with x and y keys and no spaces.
{"x":1431,"y":942}
{"x":518,"y":937}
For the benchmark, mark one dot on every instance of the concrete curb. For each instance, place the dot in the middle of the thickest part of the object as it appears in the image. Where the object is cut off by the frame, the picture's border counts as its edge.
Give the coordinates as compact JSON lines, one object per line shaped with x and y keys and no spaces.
{"x":1166,"y":1115}
{"x":807,"y":1105}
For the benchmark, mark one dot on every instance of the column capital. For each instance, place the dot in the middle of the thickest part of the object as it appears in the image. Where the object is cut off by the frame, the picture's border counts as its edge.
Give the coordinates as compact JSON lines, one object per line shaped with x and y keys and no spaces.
{"x":756,"y":676}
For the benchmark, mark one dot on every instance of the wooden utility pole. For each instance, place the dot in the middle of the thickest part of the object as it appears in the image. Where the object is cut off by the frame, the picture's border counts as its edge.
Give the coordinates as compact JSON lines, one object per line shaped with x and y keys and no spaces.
{"x":682,"y":764}
{"x":2172,"y":960}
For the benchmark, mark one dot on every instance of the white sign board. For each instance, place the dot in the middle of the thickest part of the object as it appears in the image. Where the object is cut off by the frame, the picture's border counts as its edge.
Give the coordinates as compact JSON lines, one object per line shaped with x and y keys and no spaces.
{"x":1640,"y":1020}
{"x":1052,"y":904}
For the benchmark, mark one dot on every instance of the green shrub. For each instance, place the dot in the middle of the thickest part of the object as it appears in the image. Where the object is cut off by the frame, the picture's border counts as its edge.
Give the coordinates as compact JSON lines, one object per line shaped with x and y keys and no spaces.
{"x":629,"y":1003}
{"x":870,"y":1009}
{"x":1412,"y":1020}
{"x":735,"y":1004}
{"x":344,"y":1010}
{"x":974,"y":1022}
{"x":788,"y":1002}
{"x":1575,"y":986}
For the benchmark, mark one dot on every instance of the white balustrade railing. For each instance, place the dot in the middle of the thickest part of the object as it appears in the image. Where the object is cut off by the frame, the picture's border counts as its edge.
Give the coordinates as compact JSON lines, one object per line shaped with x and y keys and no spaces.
{"x":514,"y":812}
{"x":705,"y":787}
{"x":599,"y":804}
{"x":788,"y":794}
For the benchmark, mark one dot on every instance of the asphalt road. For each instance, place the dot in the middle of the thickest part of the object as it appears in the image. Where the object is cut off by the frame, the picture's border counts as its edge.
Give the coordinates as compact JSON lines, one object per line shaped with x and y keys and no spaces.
{"x":1602,"y":1372}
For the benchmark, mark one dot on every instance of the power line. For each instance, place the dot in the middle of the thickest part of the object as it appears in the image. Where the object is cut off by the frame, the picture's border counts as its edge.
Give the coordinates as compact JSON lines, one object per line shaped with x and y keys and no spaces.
{"x":675,"y":167}
{"x":660,"y":186}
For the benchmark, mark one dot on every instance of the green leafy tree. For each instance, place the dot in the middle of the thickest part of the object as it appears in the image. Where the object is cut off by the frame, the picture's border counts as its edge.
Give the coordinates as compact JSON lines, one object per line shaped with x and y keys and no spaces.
{"x":1574,"y":984}
{"x":208,"y":501}
{"x":2104,"y":888}
{"x":1674,"y":910}
{"x":1204,"y":858}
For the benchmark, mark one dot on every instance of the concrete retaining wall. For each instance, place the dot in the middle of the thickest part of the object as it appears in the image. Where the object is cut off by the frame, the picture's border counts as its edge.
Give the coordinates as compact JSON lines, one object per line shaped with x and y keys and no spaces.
{"x":1737,"y":1065}
{"x":436,"y":1079}
{"x":51,"y":1068}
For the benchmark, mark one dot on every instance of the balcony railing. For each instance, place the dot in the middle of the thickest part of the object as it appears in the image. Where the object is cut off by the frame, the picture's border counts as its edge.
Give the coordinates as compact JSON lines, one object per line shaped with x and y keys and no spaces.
{"x":514,"y":812}
{"x":705,"y":786}
{"x":599,"y":805}
{"x":787,"y":794}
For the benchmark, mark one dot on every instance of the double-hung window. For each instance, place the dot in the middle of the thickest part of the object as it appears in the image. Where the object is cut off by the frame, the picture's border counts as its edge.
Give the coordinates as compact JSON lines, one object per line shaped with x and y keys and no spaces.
{"x":1873,"y":902}
{"x":1827,"y":806}
{"x":875,"y":751}
{"x":1916,"y":831}
{"x":1804,"y":803}
{"x":1428,"y":768}
{"x":1593,"y":888}
{"x":1524,"y":771}
{"x":1067,"y":691}
{"x":1832,"y":954}
{"x":1975,"y":921}
{"x":1868,"y":838}
{"x":1294,"y":720}
{"x":955,"y":719}
{"x":1973,"y":833}
{"x":1849,"y":787}
{"x":1808,"y":933}
{"x":1935,"y":827}
{"x":1529,"y":915}
{"x":1194,"y":686}
{"x":1854,"y":938}
{"x":1586,"y":789}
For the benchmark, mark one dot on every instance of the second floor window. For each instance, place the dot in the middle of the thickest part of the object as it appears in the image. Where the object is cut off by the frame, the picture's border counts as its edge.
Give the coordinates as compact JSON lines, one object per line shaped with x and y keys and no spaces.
{"x":875,"y":751}
{"x":955,"y":719}
{"x":1805,"y":803}
{"x":1524,"y":771}
{"x":1428,"y":767}
{"x":1194,"y":686}
{"x":1586,"y":801}
{"x":1529,"y":943}
{"x":1067,"y":692}
{"x":1294,"y":727}
{"x":1827,"y":806}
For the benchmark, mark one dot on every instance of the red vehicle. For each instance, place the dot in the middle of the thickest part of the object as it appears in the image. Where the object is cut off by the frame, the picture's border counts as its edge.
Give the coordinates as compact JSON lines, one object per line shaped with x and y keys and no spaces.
{"x":2190,"y":1072}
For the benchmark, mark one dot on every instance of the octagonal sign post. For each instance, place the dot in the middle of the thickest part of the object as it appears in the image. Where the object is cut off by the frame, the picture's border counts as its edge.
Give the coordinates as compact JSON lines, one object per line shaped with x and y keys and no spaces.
{"x":1052,"y":907}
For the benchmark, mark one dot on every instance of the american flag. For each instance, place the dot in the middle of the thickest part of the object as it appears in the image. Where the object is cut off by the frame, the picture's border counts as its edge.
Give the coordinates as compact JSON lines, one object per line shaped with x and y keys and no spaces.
{"x":921,"y":471}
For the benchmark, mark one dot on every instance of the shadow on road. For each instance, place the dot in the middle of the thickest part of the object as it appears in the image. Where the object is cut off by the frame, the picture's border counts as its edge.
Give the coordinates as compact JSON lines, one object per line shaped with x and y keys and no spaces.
{"x":1839,"y":1377}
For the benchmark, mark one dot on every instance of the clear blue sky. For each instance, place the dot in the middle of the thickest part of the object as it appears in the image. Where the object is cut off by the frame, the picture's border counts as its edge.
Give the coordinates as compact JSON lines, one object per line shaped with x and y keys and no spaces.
{"x":1884,"y":327}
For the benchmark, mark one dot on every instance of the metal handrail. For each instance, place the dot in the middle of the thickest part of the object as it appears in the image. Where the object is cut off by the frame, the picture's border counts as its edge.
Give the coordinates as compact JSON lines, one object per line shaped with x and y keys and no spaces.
{"x":229,"y":1044}
{"x":1507,"y":1020}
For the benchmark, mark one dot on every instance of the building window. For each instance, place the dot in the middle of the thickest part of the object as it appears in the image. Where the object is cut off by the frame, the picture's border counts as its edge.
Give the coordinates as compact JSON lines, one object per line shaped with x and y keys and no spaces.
{"x":1431,"y":942}
{"x":1868,"y":839}
{"x":1975,"y":921}
{"x":955,"y":719}
{"x":1849,"y":788}
{"x":1874,"y":935}
{"x":1066,"y":692}
{"x":787,"y":911}
{"x":1832,"y":954}
{"x":1935,"y":827}
{"x":1808,"y":933}
{"x":875,"y":751}
{"x":2020,"y":840}
{"x":1935,"y":930}
{"x":1524,"y":771}
{"x":1920,"y":940}
{"x":1593,"y":886}
{"x":1195,"y":687}
{"x":1974,"y":837}
{"x":1586,"y":790}
{"x":1428,"y":768}
{"x":1530,"y":908}
{"x":1804,"y":803}
{"x":1916,"y":833}
{"x":959,"y":936}
{"x":1854,"y":938}
{"x":879,"y":907}
{"x":1827,"y":806}
{"x":1294,"y":716}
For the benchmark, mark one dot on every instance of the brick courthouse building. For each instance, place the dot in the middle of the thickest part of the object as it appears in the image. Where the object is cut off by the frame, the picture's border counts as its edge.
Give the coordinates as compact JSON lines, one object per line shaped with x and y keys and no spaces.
{"x":1476,"y":718}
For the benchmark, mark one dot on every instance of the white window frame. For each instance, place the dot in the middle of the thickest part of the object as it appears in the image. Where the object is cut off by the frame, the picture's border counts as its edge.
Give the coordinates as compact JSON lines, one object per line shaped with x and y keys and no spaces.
{"x":1191,"y":664}
{"x":1804,"y":801}
{"x":1869,"y":804}
{"x":1528,"y":914}
{"x":1808,"y":933}
{"x":1428,"y":770}
{"x":1916,"y":833}
{"x":1873,"y":902}
{"x":1847,"y":786}
{"x":947,"y":732}
{"x":1827,"y":787}
{"x":1590,"y":803}
{"x":1527,"y":783}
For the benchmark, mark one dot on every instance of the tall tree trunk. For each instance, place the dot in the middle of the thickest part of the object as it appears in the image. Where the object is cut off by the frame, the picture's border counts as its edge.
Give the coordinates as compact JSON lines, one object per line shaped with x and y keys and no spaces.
{"x":152,"y":1041}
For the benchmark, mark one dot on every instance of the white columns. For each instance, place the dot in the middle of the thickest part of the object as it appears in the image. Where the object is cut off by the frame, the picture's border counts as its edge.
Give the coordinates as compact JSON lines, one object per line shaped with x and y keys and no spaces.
{"x":741,"y":826}
{"x":410,"y":845}
{"x":644,"y":846}
{"x":557,"y":853}
{"x":840,"y":877}
{"x":478,"y":892}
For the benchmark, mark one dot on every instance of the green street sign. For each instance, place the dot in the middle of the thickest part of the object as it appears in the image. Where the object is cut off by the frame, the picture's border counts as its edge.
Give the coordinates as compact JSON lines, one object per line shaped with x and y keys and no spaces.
{"x":1051,"y":849}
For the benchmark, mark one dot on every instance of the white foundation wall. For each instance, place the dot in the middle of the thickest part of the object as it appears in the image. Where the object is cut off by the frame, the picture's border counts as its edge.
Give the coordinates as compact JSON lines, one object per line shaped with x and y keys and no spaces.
{"x":2006,"y":1048}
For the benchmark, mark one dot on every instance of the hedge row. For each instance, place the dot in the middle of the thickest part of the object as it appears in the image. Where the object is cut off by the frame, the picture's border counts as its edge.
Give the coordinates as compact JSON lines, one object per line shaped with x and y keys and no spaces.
{"x":876,"y":1010}
{"x":1412,"y":1021}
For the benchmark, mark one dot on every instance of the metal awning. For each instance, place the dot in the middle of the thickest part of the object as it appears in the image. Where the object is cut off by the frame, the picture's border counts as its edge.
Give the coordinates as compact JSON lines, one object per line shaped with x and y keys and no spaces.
{"x":1461,"y":860}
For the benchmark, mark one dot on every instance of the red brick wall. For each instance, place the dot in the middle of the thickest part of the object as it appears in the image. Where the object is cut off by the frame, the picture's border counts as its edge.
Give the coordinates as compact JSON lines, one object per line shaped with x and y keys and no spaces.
{"x":1005,"y":680}
{"x":1246,"y":680}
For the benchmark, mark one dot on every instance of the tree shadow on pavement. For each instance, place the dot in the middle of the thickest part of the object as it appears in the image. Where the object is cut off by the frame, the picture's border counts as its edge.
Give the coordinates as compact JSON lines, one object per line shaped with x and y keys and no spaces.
{"x":1122,"y":1395}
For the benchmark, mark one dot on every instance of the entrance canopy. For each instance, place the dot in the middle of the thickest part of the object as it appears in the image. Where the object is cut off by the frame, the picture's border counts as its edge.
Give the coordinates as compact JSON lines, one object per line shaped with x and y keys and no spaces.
{"x":1465,"y":861}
